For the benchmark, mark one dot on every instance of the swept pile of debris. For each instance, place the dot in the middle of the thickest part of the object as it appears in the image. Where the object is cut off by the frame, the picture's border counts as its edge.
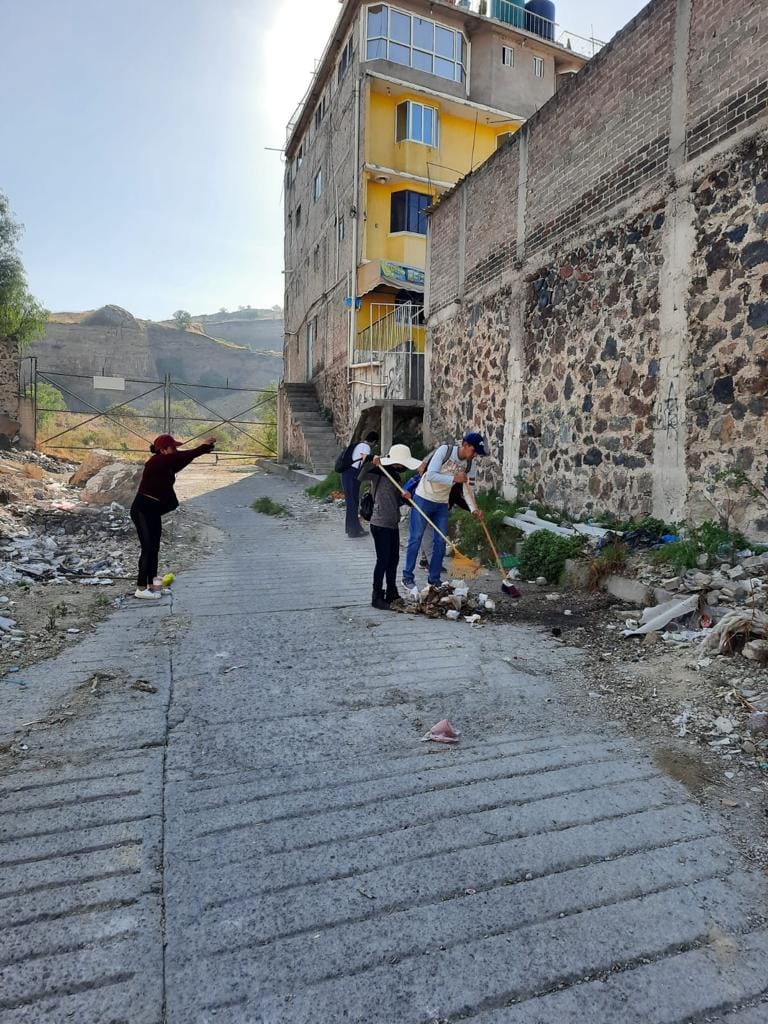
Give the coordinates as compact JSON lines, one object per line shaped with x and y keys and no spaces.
{"x":452,"y":601}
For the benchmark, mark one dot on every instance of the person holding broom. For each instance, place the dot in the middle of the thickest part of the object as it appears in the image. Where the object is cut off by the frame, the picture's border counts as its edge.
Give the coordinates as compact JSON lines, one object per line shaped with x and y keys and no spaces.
{"x":388,"y":496}
{"x":450,"y":465}
{"x":156,"y":497}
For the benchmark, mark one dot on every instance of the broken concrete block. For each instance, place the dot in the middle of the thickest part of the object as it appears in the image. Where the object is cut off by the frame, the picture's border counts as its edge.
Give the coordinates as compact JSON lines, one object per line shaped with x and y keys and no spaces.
{"x":757,"y":650}
{"x":630,"y":591}
{"x":117,"y":482}
{"x":757,"y":724}
{"x":90,"y":466}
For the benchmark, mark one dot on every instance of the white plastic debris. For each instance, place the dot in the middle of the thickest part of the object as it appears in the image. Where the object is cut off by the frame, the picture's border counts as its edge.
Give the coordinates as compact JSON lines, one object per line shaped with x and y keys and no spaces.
{"x":664,"y":614}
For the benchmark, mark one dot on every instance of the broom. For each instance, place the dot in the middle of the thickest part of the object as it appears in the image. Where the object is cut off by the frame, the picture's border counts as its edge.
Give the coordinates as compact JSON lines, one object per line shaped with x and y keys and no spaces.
{"x":463,"y":565}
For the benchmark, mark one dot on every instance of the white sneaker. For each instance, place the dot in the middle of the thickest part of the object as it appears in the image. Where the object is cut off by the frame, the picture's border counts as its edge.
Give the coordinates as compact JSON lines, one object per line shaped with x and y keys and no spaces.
{"x":147,"y":595}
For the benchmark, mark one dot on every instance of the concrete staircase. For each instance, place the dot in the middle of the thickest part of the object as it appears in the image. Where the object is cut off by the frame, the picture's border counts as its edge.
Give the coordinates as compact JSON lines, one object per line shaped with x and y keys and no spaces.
{"x":321,"y":446}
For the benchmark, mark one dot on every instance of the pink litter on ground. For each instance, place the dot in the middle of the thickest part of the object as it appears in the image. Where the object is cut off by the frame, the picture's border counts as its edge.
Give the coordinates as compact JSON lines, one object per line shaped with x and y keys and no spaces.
{"x":443,"y":732}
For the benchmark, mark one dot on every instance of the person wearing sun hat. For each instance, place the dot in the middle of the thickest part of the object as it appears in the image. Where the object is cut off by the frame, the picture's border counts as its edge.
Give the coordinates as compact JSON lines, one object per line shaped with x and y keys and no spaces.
{"x":385,"y":520}
{"x":155,"y":498}
{"x":449,"y":465}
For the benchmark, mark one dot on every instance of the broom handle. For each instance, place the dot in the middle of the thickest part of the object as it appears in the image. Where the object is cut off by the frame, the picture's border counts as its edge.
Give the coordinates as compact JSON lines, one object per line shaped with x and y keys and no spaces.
{"x":419,"y":510}
{"x":493,"y":548}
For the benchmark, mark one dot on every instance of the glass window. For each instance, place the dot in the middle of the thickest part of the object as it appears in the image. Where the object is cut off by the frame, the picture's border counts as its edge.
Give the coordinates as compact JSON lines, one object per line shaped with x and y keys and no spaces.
{"x":407,"y":212}
{"x":444,"y":42}
{"x":538,"y":67}
{"x":341,"y":229}
{"x":507,"y":56}
{"x":422,"y":61}
{"x":400,"y":27}
{"x":377,"y":20}
{"x":400,"y":54}
{"x":444,"y":68}
{"x":424,"y":34}
{"x":298,"y":217}
{"x":415,"y":42}
{"x":416,"y":123}
{"x":318,"y":185}
{"x":376,"y":49}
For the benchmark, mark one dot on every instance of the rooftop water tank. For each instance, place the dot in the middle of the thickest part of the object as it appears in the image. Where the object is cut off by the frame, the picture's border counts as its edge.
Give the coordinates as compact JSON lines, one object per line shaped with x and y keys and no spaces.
{"x":512,"y":12}
{"x":540,"y":18}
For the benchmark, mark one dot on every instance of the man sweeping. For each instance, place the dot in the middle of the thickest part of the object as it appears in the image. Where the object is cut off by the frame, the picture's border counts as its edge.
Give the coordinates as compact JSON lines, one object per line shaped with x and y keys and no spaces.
{"x":448,"y":466}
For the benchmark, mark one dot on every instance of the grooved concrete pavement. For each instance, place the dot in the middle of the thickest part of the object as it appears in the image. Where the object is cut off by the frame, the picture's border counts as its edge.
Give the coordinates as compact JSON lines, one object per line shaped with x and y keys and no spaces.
{"x":264,"y":840}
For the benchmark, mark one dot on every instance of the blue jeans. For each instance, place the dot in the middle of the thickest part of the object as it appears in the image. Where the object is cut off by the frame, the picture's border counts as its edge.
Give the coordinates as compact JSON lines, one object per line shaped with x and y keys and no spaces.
{"x":438,"y":513}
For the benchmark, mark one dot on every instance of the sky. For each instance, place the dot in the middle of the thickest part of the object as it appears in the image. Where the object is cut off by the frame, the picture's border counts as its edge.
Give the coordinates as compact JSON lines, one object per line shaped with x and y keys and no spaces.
{"x":134,"y":142}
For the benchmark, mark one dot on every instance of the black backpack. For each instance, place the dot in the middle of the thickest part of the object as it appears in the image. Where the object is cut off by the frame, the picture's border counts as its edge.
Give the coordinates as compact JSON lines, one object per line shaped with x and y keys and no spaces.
{"x":344,"y":458}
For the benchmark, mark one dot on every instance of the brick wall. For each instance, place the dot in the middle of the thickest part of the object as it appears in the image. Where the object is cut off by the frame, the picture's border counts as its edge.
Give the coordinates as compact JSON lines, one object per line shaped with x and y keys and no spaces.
{"x":624,"y":322}
{"x":727,"y":86}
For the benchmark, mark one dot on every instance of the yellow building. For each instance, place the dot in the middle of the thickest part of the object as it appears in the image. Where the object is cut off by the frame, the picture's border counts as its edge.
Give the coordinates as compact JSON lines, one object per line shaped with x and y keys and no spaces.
{"x":407,"y":99}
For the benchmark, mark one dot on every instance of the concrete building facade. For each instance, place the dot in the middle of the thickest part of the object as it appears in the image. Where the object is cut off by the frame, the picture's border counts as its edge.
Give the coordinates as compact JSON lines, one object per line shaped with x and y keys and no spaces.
{"x":407,"y":99}
{"x":607,"y":325}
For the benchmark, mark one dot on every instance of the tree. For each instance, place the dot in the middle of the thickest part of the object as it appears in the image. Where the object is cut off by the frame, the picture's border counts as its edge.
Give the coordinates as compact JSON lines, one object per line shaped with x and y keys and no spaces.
{"x":22,"y":317}
{"x":182,"y":319}
{"x":49,"y":401}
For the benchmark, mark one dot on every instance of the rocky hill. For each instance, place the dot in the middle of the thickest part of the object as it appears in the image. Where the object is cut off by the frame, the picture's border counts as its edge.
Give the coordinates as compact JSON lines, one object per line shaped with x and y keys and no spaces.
{"x":258,"y":329}
{"x":111,"y":342}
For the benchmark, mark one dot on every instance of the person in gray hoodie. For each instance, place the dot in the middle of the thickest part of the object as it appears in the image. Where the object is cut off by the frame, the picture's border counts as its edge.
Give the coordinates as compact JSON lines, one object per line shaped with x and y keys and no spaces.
{"x":385,"y":520}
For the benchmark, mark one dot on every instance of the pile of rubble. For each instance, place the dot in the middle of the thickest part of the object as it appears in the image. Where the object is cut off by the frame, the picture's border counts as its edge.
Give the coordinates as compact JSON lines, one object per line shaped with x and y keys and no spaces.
{"x":722,"y":609}
{"x":452,"y":601}
{"x":60,"y":522}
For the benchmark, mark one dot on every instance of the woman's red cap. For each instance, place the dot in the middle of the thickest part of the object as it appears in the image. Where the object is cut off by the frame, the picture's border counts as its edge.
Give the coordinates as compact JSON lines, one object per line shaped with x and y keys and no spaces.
{"x":166,"y":441}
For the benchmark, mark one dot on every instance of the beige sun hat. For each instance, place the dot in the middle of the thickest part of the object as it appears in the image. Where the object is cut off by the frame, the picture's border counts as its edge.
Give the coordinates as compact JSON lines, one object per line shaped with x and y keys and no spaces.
{"x":400,"y":455}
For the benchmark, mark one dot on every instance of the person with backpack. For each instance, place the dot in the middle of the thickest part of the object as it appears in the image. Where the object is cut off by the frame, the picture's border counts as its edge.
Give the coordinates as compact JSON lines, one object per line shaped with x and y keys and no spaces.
{"x":449,"y":467}
{"x":349,"y":464}
{"x":385,"y":518}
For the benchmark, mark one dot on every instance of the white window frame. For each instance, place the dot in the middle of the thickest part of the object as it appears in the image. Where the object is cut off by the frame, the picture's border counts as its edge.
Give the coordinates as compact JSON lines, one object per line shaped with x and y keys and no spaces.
{"x":508,"y":56}
{"x":392,"y":45}
{"x":317,"y":185}
{"x":538,"y":67}
{"x":410,"y":133}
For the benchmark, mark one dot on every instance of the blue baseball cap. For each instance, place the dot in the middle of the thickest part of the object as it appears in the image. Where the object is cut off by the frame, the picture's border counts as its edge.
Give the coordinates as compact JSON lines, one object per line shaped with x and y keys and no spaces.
{"x":477,"y":442}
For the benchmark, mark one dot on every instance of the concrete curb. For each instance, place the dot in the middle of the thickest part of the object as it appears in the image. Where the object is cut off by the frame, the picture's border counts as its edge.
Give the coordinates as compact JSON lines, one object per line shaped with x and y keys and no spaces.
{"x":301,"y":476}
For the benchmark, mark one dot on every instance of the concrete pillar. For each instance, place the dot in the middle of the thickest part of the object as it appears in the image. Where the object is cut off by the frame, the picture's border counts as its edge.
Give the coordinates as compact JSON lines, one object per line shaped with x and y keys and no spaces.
{"x":27,"y":421}
{"x":387,"y":426}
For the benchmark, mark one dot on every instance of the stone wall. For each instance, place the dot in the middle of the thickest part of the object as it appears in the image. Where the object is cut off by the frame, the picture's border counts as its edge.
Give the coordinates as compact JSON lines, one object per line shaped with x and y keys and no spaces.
{"x":598,"y":290}
{"x":9,"y":380}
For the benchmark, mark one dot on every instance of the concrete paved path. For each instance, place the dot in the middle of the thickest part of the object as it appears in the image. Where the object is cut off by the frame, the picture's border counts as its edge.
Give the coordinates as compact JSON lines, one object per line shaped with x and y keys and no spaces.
{"x":264,"y":839}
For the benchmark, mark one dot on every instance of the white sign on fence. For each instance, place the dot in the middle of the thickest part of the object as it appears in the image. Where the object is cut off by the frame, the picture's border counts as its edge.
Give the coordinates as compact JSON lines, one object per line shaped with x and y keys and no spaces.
{"x":109,"y":383}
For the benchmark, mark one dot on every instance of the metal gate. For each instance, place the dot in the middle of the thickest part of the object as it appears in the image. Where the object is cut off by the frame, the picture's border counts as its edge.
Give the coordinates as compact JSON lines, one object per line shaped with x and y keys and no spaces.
{"x":68,"y":415}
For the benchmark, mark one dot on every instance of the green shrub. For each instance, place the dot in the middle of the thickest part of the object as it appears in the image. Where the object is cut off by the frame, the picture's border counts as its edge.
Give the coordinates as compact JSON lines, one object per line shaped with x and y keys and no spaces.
{"x":325,"y":487}
{"x":545,"y":554}
{"x":267,"y":507}
{"x":679,"y":555}
{"x":469,"y":534}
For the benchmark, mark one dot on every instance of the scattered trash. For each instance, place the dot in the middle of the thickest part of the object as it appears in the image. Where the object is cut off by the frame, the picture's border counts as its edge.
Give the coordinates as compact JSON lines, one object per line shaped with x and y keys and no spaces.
{"x":443,"y":732}
{"x":144,"y":686}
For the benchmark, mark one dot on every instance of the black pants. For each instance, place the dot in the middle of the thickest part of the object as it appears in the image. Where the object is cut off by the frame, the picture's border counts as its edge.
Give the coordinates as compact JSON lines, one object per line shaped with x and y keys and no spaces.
{"x":148,"y":521}
{"x":387,"y":543}
{"x":351,"y":486}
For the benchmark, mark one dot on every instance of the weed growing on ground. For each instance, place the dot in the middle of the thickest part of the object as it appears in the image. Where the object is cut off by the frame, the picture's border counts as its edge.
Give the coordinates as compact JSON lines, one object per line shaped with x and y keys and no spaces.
{"x":545,"y":554}
{"x":331,"y":484}
{"x":267,"y":507}
{"x":712,"y":539}
{"x":611,"y":560}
